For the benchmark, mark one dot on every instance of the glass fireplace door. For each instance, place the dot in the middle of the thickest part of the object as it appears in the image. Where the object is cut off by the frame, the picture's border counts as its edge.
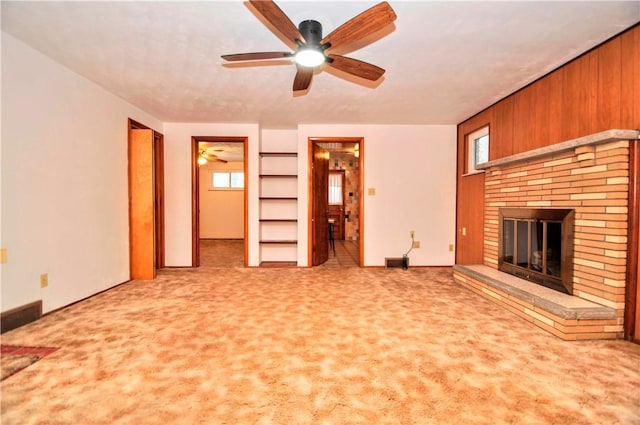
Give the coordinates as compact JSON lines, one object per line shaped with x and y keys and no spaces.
{"x":536,"y":245}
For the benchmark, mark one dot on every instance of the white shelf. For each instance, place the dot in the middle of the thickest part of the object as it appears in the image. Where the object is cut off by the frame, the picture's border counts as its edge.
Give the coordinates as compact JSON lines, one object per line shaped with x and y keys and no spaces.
{"x":278,"y":207}
{"x":276,"y":230}
{"x":278,"y":187}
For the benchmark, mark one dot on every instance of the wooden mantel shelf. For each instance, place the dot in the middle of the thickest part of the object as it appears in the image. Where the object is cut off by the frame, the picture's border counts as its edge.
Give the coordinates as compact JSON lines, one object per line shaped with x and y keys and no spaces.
{"x":592,"y":139}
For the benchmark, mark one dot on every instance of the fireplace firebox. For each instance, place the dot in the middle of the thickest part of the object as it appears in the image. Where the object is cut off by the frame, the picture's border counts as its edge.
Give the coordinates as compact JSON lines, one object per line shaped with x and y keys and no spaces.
{"x":537,"y":245}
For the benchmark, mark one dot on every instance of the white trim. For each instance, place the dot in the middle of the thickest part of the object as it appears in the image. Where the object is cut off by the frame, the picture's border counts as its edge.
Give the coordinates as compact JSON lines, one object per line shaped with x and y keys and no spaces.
{"x":471,"y":137}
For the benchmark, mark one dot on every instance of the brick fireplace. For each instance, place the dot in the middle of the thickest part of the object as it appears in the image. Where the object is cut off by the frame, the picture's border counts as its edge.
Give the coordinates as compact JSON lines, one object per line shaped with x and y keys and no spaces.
{"x":587,"y":178}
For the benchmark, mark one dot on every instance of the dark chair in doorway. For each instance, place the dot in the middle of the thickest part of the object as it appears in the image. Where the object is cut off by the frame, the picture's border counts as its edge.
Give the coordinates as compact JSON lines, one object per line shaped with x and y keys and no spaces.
{"x":332,"y":241}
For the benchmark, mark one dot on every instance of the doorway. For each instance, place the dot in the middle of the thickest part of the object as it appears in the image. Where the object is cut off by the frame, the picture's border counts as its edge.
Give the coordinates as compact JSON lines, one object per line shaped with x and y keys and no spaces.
{"x":146,"y":200}
{"x":336,"y":201}
{"x":219,"y":200}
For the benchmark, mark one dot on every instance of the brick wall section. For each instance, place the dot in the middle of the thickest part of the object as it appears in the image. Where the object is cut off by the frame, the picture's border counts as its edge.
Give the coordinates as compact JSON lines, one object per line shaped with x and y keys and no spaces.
{"x":593,"y":180}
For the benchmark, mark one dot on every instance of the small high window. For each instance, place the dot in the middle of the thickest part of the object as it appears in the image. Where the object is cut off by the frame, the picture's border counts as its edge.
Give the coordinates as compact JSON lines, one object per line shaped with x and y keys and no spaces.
{"x":229,"y":180}
{"x":477,"y":149}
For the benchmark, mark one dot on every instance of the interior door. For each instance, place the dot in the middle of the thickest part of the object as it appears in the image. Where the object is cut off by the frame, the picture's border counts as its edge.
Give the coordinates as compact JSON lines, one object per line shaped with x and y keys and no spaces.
{"x":141,"y":205}
{"x":320,"y":191}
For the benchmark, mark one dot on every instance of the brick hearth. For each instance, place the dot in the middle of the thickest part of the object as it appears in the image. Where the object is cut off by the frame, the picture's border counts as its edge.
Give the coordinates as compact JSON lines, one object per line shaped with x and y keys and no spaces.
{"x":591,"y":176}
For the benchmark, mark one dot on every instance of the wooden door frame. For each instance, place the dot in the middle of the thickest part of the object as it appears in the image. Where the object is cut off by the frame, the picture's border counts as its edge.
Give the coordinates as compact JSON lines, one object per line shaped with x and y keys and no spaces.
{"x":632,"y":299}
{"x":195,"y":198}
{"x":158,"y":182}
{"x":311,"y":142}
{"x":158,"y":165}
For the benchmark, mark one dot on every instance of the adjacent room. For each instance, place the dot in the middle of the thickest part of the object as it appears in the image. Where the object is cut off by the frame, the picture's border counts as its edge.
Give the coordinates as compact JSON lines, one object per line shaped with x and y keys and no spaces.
{"x":403,"y":212}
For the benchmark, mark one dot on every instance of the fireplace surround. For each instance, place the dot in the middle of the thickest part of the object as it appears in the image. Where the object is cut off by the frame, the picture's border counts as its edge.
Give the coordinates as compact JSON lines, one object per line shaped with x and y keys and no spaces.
{"x":537,"y":245}
{"x":590,"y":177}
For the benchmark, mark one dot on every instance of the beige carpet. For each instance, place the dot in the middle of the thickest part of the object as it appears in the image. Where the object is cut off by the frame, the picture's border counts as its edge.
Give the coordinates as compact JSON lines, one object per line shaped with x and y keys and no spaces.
{"x":227,"y":345}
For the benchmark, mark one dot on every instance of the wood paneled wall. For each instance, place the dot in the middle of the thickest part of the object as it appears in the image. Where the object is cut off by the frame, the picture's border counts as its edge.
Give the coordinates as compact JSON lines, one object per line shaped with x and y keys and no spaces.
{"x":597,"y":91}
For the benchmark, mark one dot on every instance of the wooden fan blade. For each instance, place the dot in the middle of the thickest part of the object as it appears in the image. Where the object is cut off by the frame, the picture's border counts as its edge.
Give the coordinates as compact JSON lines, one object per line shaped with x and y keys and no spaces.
{"x":256,"y":56}
{"x":356,"y":67}
{"x":276,"y":17}
{"x":366,"y":23}
{"x":303,"y":78}
{"x":214,"y":158}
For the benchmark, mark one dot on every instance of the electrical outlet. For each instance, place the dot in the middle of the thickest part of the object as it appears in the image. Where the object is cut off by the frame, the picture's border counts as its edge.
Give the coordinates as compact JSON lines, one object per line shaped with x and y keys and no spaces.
{"x":416,"y":244}
{"x":412,"y":233}
{"x":44,"y":280}
{"x":3,"y":255}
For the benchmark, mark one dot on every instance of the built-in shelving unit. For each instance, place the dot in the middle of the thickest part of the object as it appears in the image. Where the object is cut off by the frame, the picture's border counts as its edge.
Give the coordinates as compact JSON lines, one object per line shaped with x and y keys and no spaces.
{"x":278,"y":208}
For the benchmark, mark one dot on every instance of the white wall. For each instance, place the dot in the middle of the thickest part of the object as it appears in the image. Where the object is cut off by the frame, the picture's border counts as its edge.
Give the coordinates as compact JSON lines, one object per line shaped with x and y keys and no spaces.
{"x":1,"y":197}
{"x":414,"y":191}
{"x":177,"y":181}
{"x":413,"y":171}
{"x":278,"y":140}
{"x":64,"y":181}
{"x":221,"y":211}
{"x":64,"y":184}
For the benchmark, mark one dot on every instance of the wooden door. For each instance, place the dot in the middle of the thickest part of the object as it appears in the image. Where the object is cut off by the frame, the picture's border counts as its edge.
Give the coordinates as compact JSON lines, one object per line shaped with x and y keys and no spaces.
{"x":320,"y":201}
{"x":141,"y":205}
{"x":336,"y":203}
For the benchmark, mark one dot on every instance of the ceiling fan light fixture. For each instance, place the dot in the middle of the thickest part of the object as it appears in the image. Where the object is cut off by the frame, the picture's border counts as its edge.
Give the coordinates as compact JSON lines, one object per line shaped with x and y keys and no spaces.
{"x":309,"y":57}
{"x":202,"y":160}
{"x":310,"y":52}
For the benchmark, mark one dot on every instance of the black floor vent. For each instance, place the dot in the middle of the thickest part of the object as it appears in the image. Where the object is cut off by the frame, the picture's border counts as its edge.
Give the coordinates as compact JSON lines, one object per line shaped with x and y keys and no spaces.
{"x":19,"y":316}
{"x":399,"y":262}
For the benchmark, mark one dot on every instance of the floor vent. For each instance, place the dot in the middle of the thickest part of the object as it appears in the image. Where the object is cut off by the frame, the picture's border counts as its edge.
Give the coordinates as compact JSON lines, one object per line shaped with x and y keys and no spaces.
{"x":20,"y":316}
{"x":397,"y":262}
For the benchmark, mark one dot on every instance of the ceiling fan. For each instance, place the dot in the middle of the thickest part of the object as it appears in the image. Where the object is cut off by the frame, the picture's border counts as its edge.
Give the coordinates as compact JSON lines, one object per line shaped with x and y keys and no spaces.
{"x":313,"y":50}
{"x":205,"y":157}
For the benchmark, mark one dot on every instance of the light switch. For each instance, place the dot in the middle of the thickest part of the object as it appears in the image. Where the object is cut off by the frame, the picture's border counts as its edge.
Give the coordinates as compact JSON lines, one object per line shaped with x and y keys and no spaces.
{"x":371,"y":191}
{"x":464,"y":231}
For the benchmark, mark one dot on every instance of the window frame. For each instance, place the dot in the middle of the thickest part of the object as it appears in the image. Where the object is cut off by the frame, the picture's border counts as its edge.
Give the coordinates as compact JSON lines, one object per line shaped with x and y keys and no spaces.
{"x":471,"y":150}
{"x":230,"y":179}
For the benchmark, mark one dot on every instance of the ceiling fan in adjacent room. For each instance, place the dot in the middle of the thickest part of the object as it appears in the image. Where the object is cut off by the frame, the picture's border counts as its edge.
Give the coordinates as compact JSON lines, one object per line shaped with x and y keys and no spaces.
{"x":205,"y":157}
{"x":313,"y":50}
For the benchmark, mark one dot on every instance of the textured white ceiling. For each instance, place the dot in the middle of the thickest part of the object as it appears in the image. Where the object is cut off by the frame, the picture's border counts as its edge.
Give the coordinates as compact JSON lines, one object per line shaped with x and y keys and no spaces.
{"x":445,"y":61}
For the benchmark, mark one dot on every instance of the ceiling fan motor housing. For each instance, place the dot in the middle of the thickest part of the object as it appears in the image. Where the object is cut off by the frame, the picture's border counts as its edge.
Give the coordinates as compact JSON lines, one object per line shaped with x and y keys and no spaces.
{"x":311,"y":31}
